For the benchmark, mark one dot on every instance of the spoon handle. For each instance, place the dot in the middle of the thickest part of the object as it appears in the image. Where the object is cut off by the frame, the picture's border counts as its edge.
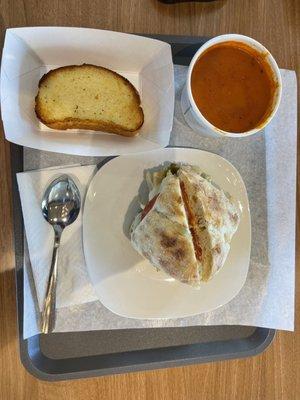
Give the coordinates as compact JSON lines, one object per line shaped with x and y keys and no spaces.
{"x":48,"y":314}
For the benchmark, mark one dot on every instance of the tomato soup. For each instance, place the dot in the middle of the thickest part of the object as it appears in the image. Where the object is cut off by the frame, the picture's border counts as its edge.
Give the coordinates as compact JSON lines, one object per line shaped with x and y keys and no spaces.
{"x":233,"y":87}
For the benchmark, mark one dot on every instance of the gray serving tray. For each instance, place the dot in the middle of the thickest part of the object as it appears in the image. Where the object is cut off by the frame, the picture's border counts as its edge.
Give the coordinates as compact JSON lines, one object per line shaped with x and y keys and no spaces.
{"x":61,"y":356}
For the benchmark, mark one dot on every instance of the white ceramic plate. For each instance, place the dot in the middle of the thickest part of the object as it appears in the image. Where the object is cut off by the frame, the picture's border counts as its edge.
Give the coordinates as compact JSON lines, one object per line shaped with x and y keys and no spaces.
{"x":125,"y":282}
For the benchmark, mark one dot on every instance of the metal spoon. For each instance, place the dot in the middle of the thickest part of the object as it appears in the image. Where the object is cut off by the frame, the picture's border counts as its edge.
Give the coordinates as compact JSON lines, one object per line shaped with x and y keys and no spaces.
{"x":60,"y":207}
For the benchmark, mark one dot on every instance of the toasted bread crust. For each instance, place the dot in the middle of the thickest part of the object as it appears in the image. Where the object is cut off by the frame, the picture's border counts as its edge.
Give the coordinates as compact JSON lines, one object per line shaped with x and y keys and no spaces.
{"x":73,"y":123}
{"x":87,"y":124}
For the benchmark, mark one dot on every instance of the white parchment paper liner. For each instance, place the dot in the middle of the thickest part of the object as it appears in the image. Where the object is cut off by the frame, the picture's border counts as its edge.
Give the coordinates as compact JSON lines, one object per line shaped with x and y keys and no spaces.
{"x":267,"y":163}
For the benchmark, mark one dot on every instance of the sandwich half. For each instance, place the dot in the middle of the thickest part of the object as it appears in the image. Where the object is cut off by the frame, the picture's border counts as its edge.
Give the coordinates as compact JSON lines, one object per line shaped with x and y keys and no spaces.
{"x":187,"y":226}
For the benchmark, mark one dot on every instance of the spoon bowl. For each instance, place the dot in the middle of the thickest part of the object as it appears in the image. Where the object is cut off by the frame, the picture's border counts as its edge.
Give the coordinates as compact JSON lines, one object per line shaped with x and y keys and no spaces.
{"x":61,"y":202}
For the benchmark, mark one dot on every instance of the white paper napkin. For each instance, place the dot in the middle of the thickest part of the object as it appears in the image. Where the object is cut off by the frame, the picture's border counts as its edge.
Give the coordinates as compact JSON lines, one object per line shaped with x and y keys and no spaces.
{"x":74,"y":286}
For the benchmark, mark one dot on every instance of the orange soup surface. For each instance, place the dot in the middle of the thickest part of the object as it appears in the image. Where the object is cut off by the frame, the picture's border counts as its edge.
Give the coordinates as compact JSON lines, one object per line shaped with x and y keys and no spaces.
{"x":233,"y":87}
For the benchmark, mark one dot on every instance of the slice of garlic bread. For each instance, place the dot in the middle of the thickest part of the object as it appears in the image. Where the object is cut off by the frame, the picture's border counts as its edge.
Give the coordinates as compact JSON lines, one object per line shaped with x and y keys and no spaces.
{"x":88,"y":97}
